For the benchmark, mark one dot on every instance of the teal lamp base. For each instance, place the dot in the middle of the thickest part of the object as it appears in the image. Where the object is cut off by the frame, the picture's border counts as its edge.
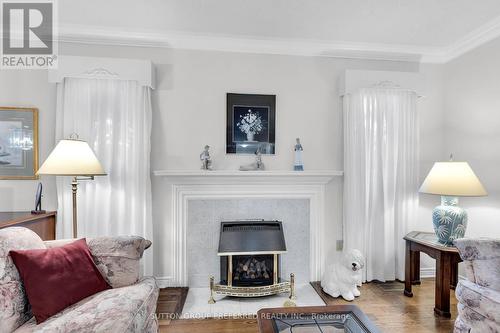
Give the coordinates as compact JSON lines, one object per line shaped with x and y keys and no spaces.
{"x":449,"y":220}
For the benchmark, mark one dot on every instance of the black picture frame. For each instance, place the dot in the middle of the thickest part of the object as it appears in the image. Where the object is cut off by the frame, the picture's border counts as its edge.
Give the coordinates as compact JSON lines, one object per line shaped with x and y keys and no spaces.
{"x":250,"y":123}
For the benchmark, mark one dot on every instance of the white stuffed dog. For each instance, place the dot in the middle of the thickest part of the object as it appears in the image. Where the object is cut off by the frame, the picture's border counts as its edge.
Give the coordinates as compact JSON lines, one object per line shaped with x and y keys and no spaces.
{"x":343,"y":277}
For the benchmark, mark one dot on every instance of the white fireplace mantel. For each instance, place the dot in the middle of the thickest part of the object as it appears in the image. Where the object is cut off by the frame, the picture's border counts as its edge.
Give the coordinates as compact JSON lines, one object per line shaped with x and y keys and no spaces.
{"x":209,"y":185}
{"x":236,"y":176}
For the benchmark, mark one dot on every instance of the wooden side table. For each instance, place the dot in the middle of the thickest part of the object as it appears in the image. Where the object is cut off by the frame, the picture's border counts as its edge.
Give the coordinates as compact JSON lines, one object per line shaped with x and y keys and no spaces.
{"x":447,"y":259}
{"x":43,"y":224}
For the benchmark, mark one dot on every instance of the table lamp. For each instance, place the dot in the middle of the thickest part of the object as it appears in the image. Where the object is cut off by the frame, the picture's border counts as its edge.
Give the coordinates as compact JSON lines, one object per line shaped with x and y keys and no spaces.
{"x":72,"y":157}
{"x":451,"y":180}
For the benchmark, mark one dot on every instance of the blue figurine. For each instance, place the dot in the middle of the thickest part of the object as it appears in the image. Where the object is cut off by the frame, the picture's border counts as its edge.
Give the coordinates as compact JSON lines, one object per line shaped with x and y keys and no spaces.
{"x":298,"y":165}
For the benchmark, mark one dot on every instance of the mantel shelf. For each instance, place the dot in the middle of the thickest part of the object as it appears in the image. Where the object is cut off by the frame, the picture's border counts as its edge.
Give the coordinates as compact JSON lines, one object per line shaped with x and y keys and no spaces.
{"x":236,"y":176}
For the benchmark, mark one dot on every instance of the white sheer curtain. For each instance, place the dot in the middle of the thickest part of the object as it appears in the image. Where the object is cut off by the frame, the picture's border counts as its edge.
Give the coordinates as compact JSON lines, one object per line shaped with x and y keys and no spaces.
{"x":381,"y":177}
{"x":114,"y":117}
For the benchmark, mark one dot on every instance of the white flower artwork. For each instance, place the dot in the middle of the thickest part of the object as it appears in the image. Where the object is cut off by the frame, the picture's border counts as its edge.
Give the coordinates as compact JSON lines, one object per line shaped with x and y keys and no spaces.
{"x":251,"y":123}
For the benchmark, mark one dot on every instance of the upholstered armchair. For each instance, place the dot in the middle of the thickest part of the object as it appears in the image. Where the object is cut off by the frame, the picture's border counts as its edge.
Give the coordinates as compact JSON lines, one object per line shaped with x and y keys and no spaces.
{"x":479,"y":294}
{"x":128,"y":307}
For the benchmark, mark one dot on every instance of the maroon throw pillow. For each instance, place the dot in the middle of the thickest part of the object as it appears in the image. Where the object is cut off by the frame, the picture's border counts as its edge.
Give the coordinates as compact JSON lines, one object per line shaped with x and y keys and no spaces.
{"x":57,"y":277}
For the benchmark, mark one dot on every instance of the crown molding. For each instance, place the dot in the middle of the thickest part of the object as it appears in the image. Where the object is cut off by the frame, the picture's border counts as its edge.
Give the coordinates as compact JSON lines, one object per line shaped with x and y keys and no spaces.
{"x":474,"y":39}
{"x":241,"y":44}
{"x":279,"y":46}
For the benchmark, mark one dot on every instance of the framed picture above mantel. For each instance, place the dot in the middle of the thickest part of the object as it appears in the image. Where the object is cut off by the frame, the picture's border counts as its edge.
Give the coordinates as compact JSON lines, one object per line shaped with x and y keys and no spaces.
{"x":251,"y":123}
{"x":18,"y":143}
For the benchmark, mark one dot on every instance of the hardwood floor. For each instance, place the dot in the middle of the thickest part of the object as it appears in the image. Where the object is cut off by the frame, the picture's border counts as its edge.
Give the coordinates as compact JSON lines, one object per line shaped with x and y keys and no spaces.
{"x":211,"y":326}
{"x":384,"y":303}
{"x":170,"y":303}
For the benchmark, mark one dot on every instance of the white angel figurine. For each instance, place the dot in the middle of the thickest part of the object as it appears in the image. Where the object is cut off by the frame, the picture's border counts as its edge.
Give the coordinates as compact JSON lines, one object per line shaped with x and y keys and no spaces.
{"x":298,"y":165}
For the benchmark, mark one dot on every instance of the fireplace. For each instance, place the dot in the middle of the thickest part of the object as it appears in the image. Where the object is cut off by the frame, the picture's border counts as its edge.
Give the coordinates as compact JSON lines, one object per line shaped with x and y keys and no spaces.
{"x":250,"y":270}
{"x":250,"y":260}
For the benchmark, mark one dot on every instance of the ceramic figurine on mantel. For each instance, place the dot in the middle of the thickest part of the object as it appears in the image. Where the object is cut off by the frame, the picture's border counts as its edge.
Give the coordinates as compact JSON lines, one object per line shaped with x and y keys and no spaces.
{"x":298,"y":165}
{"x":257,"y":165}
{"x":206,"y":160}
{"x":258,"y":158}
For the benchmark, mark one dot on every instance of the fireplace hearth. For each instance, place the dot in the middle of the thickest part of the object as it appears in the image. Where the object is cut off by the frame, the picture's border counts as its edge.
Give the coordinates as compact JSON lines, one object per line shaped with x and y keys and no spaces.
{"x":250,"y":260}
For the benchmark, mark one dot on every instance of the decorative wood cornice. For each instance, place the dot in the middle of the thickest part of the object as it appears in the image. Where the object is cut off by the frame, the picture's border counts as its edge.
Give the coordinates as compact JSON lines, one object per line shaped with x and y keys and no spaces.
{"x":100,"y":73}
{"x":139,"y":70}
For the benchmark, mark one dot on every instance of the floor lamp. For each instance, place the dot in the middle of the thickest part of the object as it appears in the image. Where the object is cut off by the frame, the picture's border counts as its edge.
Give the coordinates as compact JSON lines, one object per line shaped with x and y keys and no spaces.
{"x":72,"y":157}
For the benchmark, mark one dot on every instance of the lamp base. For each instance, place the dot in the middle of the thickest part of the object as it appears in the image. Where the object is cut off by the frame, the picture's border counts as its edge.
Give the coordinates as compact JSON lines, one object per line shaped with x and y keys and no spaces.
{"x":449,"y":220}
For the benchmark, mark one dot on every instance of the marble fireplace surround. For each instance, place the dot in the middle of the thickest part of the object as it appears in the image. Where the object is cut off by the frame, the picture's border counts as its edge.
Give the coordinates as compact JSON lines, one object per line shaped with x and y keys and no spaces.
{"x":209,"y":185}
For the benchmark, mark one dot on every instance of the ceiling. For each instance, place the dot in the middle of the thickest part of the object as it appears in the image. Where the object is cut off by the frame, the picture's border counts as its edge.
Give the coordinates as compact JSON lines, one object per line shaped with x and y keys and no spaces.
{"x":420,"y":27}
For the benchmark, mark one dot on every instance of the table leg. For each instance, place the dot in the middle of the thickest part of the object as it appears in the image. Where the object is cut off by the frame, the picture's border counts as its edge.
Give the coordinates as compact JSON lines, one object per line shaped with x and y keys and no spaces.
{"x":442,"y":292}
{"x":415,"y":267}
{"x":408,"y":270}
{"x":454,"y":275}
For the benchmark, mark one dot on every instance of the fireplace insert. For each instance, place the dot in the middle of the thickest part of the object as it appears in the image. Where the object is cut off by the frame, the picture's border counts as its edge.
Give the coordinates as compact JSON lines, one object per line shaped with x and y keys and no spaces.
{"x":249,"y":270}
{"x":250,"y":260}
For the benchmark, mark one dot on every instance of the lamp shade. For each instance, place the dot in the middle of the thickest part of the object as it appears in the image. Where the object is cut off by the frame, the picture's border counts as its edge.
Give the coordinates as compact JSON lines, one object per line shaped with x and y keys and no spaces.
{"x":72,"y":158}
{"x":452,"y":179}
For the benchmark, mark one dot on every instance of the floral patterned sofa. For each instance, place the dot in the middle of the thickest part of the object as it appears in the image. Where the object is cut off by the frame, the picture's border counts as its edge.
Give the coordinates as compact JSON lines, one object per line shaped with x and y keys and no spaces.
{"x":479,"y":294}
{"x":128,"y":307}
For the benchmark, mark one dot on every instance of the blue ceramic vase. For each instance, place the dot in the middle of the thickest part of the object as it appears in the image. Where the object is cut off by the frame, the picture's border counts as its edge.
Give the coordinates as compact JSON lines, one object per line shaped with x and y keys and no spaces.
{"x":450,"y":221}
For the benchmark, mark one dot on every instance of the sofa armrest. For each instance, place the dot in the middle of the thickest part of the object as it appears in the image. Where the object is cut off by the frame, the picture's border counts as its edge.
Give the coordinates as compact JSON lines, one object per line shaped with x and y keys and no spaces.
{"x":117,"y":258}
{"x":481,"y":300}
{"x":482,"y":260}
{"x":478,"y":248}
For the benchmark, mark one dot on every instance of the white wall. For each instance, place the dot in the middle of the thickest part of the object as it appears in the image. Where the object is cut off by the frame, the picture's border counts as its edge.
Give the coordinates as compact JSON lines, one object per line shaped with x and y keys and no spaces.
{"x":189,"y":112}
{"x":29,"y":88}
{"x":472,"y":130}
{"x":190,"y":102}
{"x":431,"y":117}
{"x":465,"y":121}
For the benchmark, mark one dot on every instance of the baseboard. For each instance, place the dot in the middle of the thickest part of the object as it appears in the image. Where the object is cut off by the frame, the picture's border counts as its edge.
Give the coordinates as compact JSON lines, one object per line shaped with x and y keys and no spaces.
{"x":164,"y":281}
{"x":427,"y":272}
{"x":430,"y":272}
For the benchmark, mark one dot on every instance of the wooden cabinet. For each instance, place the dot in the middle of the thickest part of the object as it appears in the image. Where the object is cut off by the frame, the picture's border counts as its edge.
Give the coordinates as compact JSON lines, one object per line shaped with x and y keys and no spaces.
{"x":43,"y":224}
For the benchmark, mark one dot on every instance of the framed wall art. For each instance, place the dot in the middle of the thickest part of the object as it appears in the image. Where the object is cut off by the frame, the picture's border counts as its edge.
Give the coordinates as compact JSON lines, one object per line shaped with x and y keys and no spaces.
{"x":251,"y":121}
{"x":18,"y":143}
